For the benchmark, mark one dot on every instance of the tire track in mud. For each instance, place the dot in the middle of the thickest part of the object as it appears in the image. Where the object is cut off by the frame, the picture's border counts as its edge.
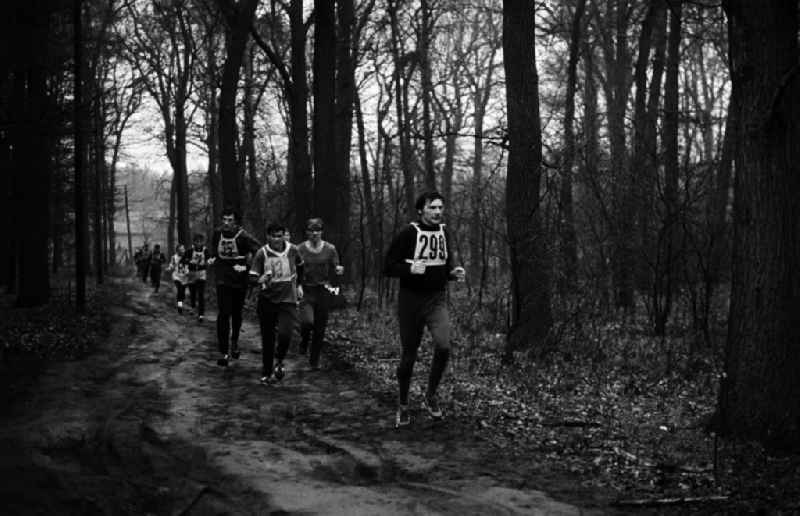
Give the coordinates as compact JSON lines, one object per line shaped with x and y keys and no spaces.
{"x":150,"y":424}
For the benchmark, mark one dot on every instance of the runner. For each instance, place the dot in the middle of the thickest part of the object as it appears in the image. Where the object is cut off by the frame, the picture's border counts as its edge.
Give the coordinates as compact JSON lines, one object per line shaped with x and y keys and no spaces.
{"x":278,"y":268}
{"x":198,"y":259}
{"x":142,"y":258}
{"x":320,"y":259}
{"x":230,"y":246}
{"x":420,"y":257}
{"x":157,"y":259}
{"x":179,"y":265}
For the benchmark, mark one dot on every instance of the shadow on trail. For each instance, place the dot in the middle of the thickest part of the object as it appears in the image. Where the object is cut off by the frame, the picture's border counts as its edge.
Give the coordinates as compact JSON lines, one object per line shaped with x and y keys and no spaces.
{"x":149,"y":424}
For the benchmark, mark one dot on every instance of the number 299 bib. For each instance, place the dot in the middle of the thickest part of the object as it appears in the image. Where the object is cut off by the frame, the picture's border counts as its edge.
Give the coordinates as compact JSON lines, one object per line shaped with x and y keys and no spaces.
{"x":431,"y":246}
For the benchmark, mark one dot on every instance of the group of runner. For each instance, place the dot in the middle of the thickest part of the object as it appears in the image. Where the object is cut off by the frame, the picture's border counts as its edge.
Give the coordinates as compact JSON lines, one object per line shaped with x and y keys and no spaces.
{"x":294,"y":284}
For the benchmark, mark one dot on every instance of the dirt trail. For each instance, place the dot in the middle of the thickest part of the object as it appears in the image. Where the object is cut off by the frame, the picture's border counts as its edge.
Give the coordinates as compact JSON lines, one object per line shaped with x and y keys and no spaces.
{"x":150,"y":424}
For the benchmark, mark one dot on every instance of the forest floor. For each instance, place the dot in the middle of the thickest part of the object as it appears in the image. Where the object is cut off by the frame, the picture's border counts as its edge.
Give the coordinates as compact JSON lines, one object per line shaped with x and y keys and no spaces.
{"x":126,"y":412}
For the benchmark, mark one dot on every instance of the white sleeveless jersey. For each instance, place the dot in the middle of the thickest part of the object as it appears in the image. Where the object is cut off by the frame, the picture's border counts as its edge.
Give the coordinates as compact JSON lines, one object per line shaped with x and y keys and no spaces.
{"x":227,"y":248}
{"x":431,"y":246}
{"x":278,"y":263}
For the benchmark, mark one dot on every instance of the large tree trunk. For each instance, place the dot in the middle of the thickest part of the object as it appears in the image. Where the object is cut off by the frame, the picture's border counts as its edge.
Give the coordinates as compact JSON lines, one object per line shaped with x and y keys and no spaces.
{"x":32,"y":160}
{"x":238,"y":32}
{"x":531,"y":317}
{"x":760,"y":395}
{"x":324,"y":127}
{"x":299,"y":158}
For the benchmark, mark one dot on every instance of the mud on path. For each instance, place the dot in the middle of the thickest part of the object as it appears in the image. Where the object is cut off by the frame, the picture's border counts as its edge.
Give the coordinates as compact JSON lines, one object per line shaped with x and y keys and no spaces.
{"x":149,"y":424}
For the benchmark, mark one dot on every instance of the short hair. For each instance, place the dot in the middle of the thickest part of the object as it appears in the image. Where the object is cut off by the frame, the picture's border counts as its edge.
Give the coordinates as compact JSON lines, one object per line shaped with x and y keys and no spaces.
{"x":275,"y":227}
{"x":197,"y":237}
{"x":229,"y":210}
{"x":157,"y":246}
{"x":314,"y":223}
{"x":427,"y":197}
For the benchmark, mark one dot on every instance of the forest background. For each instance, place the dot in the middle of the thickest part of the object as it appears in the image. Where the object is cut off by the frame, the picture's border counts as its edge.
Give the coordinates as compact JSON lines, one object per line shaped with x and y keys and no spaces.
{"x":620,"y":175}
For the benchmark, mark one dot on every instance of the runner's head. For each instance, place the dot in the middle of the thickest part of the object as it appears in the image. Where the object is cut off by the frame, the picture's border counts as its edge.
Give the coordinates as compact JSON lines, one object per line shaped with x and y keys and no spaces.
{"x":314,"y":229}
{"x":229,"y":218}
{"x":180,"y":249}
{"x":198,"y":239}
{"x":276,"y":236}
{"x":430,"y":207}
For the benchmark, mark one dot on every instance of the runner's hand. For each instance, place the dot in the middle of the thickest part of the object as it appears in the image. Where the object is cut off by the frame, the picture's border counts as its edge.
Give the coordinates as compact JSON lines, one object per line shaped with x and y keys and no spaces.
{"x":417,"y":267}
{"x":339,"y":270}
{"x":239,"y":268}
{"x":459,"y":273}
{"x":211,"y":261}
{"x":299,"y":292}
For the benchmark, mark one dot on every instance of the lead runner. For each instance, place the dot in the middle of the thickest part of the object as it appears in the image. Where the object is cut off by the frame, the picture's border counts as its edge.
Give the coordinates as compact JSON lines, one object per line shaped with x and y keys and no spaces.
{"x":420,"y":256}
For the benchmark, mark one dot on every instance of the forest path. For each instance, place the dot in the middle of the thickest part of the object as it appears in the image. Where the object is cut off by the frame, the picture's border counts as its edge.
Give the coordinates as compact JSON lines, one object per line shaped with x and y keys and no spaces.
{"x":150,"y":424}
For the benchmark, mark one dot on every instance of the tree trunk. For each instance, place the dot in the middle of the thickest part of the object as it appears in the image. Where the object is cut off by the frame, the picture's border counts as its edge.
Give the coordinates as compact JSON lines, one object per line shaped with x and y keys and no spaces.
{"x":255,"y":211}
{"x":569,"y":250}
{"x":212,"y":139}
{"x":238,"y":32}
{"x":302,"y":181}
{"x":427,"y":91}
{"x":640,"y":161}
{"x":760,"y":394}
{"x":326,"y":187}
{"x":531,"y":318}
{"x":33,"y":160}
{"x":617,"y":99}
{"x":98,"y":154}
{"x":664,"y":281}
{"x":374,"y":259}
{"x":81,"y":216}
{"x":345,"y":90}
{"x":401,"y":112}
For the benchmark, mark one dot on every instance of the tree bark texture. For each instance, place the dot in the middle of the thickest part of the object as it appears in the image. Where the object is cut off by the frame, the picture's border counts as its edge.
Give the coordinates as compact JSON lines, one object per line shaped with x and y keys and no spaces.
{"x":339,"y":226}
{"x":301,"y":178}
{"x":569,"y":249}
{"x":531,"y":317}
{"x":239,"y":19}
{"x":760,"y":396}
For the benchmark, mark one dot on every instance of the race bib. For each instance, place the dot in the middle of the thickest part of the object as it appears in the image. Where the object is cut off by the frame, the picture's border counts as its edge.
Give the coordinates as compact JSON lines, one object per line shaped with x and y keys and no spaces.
{"x":227,"y":249}
{"x":431,"y":247}
{"x":278,"y":264}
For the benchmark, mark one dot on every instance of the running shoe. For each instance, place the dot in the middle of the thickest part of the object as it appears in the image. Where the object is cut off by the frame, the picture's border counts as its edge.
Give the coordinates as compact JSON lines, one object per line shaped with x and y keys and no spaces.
{"x":223,"y":361}
{"x":402,"y":417}
{"x":278,"y":371}
{"x":199,"y":318}
{"x":266,"y":380}
{"x":431,"y":404}
{"x":180,"y":307}
{"x":235,"y":351}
